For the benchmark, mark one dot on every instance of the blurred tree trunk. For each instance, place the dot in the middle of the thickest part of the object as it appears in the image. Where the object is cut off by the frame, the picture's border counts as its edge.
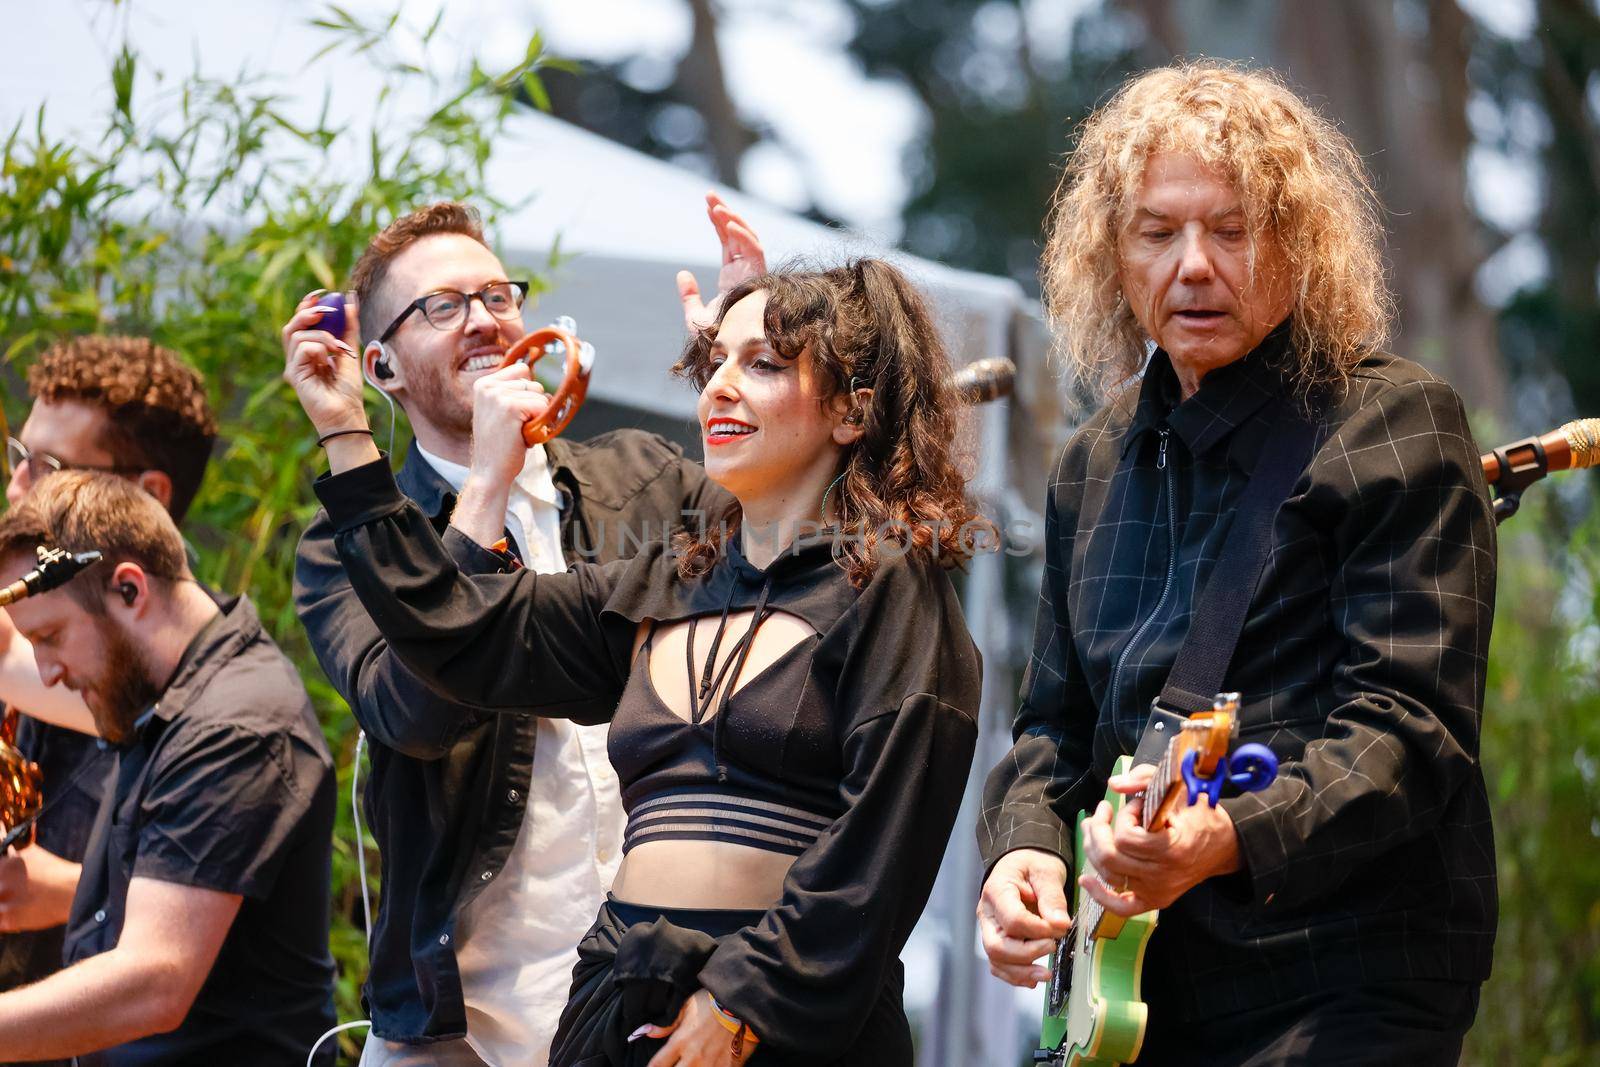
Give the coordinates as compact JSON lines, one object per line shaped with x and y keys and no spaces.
{"x":1568,"y":321}
{"x":609,"y":99}
{"x":705,"y":88}
{"x":1567,"y":38}
{"x":1400,"y":92}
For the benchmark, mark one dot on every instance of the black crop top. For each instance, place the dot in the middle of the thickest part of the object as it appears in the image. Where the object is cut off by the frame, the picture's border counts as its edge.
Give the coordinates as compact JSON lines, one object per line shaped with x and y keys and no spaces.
{"x":677,"y":786}
{"x":868,"y":728}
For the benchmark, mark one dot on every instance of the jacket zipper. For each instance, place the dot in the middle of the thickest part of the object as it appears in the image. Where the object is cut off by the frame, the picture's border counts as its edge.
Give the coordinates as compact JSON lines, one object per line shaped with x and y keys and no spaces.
{"x":1172,"y":569}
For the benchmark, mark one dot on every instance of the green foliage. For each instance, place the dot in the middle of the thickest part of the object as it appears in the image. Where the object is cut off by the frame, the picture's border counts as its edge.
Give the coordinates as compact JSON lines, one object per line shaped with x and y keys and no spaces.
{"x":199,"y":219}
{"x":1541,"y":758}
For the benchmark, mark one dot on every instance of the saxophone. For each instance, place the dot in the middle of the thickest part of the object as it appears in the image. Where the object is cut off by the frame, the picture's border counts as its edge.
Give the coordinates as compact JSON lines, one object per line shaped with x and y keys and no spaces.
{"x":21,"y":783}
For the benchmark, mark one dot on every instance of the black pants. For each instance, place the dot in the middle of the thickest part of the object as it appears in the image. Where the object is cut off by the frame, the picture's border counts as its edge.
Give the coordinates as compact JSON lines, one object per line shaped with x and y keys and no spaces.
{"x":638,"y":965}
{"x":1381,"y":1024}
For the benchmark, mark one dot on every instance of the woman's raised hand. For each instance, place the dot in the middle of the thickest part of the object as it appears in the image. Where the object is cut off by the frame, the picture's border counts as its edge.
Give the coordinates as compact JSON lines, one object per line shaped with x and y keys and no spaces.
{"x":742,"y":257}
{"x":324,"y":370}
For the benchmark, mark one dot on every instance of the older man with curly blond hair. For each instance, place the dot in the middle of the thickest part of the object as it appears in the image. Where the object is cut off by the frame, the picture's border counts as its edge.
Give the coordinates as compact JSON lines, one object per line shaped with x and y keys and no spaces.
{"x":1215,"y":270}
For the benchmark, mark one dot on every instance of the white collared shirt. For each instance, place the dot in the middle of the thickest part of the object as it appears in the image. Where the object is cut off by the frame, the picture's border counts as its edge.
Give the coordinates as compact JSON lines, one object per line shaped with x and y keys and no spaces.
{"x":533,"y":512}
{"x":516,"y":943}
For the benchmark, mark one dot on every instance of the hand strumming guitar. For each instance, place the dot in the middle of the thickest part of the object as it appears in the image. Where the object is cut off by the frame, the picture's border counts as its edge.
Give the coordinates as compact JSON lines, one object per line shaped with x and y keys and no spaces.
{"x":1022,"y":912}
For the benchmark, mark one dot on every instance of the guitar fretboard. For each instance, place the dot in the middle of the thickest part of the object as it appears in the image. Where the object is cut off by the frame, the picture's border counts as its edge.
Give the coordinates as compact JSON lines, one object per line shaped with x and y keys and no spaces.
{"x":1168,"y":775}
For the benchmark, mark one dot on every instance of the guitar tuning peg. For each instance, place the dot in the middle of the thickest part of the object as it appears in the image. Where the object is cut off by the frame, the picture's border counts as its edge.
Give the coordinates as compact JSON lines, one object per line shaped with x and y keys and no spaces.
{"x":1252,"y":768}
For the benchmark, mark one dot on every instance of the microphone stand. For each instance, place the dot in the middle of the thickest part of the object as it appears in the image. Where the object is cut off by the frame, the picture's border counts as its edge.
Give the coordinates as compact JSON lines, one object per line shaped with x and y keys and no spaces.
{"x":56,"y":567}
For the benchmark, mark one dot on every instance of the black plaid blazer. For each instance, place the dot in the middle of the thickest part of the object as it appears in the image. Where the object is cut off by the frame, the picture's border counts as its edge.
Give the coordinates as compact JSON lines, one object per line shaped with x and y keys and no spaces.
{"x":1361,"y":665}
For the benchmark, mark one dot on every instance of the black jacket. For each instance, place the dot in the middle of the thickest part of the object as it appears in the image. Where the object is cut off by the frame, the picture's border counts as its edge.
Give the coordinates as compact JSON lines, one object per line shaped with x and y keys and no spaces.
{"x":877,"y":732}
{"x":449,"y":784}
{"x":1361,"y":664}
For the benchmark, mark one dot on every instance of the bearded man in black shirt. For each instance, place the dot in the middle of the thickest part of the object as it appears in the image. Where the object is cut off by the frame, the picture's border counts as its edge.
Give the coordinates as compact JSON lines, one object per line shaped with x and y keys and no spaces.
{"x":199,"y":929}
{"x":130,"y":407}
{"x":1347,"y":912}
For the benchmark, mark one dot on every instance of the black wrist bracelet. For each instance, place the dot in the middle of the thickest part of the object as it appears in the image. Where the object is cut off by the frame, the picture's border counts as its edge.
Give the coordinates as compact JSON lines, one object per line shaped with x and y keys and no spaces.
{"x":325,"y":438}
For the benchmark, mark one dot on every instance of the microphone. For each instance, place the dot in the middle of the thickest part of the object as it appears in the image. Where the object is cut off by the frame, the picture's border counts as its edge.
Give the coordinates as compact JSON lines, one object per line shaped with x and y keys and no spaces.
{"x":1572,"y":446}
{"x":984,"y":380}
{"x":56,"y":568}
{"x":1512,"y":468}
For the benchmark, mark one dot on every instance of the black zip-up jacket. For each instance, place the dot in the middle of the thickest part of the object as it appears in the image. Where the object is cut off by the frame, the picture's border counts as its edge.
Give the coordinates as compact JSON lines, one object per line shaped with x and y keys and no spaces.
{"x":449,"y":784}
{"x":1361,"y":665}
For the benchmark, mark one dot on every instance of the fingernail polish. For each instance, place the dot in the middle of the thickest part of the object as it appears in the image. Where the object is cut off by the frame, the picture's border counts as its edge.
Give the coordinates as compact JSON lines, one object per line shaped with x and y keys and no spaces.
{"x":641,"y":1032}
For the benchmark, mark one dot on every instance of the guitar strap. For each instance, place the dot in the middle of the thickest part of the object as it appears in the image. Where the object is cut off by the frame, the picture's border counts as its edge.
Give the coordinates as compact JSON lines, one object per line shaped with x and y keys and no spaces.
{"x":1202,"y":664}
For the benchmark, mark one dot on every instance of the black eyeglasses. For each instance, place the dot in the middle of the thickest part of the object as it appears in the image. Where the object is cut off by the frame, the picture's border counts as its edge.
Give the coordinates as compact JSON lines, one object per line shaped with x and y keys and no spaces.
{"x":41,"y":463}
{"x":447,"y":309}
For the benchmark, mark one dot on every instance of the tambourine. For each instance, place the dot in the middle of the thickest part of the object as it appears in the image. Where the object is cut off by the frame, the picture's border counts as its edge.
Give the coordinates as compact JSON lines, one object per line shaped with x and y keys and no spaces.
{"x":558,"y":338}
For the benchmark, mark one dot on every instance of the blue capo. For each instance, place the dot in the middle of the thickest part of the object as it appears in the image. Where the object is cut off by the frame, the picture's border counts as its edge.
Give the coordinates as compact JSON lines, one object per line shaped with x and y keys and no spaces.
{"x":1252,"y":767}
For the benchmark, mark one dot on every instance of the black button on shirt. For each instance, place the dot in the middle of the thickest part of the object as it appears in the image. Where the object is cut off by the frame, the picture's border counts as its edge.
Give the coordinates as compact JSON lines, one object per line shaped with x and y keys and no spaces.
{"x":228,"y":785}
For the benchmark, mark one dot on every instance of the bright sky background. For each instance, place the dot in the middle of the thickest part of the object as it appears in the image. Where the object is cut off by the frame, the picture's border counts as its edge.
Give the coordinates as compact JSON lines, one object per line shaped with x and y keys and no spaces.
{"x":840,"y":136}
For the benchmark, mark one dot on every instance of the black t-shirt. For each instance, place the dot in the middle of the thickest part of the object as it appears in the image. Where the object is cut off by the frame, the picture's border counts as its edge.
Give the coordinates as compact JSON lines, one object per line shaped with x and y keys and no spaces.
{"x":227,"y":785}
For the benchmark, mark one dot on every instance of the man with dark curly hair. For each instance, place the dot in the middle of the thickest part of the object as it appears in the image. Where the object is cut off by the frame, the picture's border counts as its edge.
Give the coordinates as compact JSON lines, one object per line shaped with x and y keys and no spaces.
{"x":122,"y":404}
{"x":127,"y":406}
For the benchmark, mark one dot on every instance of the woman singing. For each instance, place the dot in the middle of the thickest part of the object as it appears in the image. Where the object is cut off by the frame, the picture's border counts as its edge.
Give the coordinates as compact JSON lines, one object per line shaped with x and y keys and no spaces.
{"x":792,"y":695}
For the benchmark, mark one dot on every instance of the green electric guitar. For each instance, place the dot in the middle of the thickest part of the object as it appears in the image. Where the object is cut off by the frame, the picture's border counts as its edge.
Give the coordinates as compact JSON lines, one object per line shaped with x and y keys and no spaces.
{"x":1093,"y":1016}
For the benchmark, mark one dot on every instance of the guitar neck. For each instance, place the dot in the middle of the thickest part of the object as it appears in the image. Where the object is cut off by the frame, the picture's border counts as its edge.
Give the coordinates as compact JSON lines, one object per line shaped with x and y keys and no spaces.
{"x":1206,"y":735}
{"x":1166,"y":791}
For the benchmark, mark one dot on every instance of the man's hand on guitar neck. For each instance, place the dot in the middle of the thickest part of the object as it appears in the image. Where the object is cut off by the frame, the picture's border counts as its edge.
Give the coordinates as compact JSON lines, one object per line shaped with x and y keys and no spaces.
{"x":1141,"y":870}
{"x":1022,"y":913}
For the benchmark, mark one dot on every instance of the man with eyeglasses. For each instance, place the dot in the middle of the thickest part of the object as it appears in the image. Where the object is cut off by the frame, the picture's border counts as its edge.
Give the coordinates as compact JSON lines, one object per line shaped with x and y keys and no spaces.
{"x":500,"y":833}
{"x":121,"y":405}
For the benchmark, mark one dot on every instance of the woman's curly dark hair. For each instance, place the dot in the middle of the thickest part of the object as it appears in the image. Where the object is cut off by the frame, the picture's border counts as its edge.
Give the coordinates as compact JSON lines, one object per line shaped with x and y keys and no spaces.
{"x":866,"y":323}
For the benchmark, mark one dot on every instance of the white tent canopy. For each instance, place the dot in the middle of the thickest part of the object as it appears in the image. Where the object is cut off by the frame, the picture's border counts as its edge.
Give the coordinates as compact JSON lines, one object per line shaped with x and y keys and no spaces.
{"x":631,"y":222}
